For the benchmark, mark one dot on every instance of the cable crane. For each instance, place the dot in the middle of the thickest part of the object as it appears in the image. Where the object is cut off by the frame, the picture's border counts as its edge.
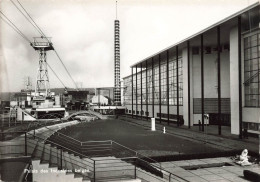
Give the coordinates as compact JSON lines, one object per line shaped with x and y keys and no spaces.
{"x":41,"y":45}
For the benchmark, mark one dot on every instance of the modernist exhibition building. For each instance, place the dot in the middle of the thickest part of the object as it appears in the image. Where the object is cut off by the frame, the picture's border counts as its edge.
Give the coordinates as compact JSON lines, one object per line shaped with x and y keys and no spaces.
{"x":214,"y":73}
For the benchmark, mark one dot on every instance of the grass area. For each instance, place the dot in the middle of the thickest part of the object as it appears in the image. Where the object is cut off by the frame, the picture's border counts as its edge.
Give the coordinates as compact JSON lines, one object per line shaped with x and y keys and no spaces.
{"x":151,"y":143}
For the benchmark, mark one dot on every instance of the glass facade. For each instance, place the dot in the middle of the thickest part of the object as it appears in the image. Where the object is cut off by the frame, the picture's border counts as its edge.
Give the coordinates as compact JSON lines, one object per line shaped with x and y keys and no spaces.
{"x":150,"y":86}
{"x":156,"y":84}
{"x":149,"y":95}
{"x":128,"y":90}
{"x":134,"y":88}
{"x":164,"y":96}
{"x":138,"y":88}
{"x":252,"y":70}
{"x":144,"y":96}
{"x":173,"y":82}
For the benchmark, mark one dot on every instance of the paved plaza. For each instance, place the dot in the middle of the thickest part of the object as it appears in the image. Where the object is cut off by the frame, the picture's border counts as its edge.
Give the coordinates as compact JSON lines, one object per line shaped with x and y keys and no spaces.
{"x":232,"y":173}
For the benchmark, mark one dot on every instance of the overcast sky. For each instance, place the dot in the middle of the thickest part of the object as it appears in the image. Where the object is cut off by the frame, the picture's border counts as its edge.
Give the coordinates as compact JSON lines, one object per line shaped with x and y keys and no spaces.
{"x":82,"y":32}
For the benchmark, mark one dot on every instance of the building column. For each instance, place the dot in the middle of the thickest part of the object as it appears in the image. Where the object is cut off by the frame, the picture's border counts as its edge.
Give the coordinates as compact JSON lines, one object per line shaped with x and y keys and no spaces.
{"x":153,"y":87}
{"x":235,"y":58}
{"x":141,"y":81}
{"x":240,"y":76}
{"x":132,"y":90}
{"x":160,"y":91}
{"x":219,"y":82}
{"x":177,"y":78}
{"x":136,"y":95}
{"x":167,"y":80}
{"x":187,"y":96}
{"x":146,"y":70}
{"x":188,"y":54}
{"x":202,"y":80}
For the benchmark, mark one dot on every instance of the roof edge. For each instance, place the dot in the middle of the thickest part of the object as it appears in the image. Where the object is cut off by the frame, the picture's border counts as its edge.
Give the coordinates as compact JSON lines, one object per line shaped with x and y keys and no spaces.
{"x":202,"y":31}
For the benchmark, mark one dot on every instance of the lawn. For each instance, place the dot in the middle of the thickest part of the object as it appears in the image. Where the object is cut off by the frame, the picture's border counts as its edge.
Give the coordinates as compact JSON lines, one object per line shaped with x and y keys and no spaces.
{"x":151,"y":143}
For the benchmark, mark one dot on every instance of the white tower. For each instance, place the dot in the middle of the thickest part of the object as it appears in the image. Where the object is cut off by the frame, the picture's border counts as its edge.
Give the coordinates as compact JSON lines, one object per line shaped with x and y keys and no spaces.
{"x":117,"y":88}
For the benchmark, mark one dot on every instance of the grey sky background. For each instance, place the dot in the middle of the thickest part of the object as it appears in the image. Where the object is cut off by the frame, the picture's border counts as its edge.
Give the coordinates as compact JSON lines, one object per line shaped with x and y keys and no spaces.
{"x":82,"y":32}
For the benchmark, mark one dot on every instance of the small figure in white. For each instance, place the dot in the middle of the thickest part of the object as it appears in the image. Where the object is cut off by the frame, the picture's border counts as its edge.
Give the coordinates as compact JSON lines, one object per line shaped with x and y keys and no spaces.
{"x":164,"y":130}
{"x":243,"y":158}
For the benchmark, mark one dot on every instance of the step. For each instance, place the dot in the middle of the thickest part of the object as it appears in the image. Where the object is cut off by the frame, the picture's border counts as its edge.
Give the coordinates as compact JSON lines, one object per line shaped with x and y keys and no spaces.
{"x":147,"y":176}
{"x":103,"y":158}
{"x":112,"y":168}
{"x":70,"y":166}
{"x":74,"y":162}
{"x":50,"y":176}
{"x":82,"y":163}
{"x":67,"y":162}
{"x":127,"y":180}
{"x":85,"y":167}
{"x":39,"y":165}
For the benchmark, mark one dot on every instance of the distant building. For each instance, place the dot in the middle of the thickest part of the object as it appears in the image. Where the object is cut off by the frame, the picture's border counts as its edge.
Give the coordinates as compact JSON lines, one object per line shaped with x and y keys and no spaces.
{"x":80,"y":95}
{"x":99,"y":99}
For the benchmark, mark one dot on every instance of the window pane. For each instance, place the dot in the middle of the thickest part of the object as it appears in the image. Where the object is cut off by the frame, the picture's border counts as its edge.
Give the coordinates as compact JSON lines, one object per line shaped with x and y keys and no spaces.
{"x":252,"y":70}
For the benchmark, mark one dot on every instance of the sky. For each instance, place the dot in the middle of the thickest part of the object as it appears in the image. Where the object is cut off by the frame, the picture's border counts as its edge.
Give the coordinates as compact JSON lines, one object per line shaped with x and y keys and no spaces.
{"x":82,"y":33}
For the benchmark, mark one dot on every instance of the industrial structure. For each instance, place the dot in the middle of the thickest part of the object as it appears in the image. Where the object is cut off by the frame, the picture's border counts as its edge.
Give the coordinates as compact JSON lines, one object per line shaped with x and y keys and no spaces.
{"x":42,"y":82}
{"x":215,"y":72}
{"x":117,"y":87}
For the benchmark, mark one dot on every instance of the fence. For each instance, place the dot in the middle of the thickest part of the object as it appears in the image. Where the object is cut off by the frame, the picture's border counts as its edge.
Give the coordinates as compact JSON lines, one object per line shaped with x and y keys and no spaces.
{"x":13,"y":148}
{"x":104,"y":160}
{"x":123,"y":156}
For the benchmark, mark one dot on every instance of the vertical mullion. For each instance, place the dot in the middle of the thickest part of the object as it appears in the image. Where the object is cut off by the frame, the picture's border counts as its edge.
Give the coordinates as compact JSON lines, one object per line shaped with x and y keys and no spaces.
{"x":136,"y":95}
{"x":160,"y":89}
{"x":219,"y":82}
{"x":258,"y":84}
{"x":153,"y":87}
{"x":146,"y":79}
{"x":202,"y":81}
{"x":141,"y":81}
{"x":168,"y":107}
{"x":177,"y":78}
{"x":132,"y":90}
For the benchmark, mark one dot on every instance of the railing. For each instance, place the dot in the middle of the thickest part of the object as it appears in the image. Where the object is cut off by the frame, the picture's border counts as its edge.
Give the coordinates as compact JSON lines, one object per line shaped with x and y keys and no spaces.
{"x":64,"y":160}
{"x":125,"y":163}
{"x":111,"y":148}
{"x":9,"y":148}
{"x":8,"y":118}
{"x":115,"y":168}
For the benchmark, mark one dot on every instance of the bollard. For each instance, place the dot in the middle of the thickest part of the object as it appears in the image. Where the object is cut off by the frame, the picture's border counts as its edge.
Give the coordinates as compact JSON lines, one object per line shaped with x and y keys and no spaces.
{"x":152,"y":124}
{"x":164,"y":130}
